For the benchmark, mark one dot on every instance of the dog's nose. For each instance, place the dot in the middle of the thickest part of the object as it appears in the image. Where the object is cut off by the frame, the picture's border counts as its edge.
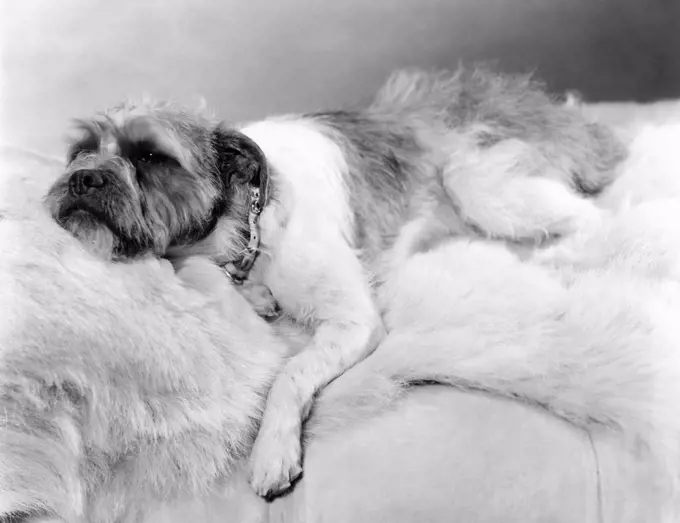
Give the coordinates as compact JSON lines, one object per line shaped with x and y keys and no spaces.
{"x":85,"y":180}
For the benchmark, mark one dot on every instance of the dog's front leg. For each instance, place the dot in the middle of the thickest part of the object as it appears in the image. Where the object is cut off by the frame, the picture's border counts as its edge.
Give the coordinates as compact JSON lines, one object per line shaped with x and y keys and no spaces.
{"x":276,"y":459}
{"x":349,"y":328}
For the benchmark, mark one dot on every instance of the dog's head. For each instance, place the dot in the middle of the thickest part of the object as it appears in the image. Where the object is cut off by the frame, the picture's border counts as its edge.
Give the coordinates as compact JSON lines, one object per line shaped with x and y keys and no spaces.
{"x":148,"y":178}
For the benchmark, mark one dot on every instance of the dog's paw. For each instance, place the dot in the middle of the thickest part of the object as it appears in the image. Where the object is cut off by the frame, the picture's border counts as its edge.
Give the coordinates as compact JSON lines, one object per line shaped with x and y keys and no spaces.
{"x":261,"y":298}
{"x":275,"y":465}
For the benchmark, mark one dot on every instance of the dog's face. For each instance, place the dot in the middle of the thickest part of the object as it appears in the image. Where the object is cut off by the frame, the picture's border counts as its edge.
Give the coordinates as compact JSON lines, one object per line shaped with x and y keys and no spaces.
{"x":144,"y":179}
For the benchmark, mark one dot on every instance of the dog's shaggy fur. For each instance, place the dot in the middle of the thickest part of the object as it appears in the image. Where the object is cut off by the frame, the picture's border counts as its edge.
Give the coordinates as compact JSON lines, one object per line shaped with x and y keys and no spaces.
{"x":353,"y":194}
{"x":112,"y":377}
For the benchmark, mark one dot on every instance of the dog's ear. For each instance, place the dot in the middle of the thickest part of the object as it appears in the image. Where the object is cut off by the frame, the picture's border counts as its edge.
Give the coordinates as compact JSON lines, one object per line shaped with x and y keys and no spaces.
{"x":240,"y":160}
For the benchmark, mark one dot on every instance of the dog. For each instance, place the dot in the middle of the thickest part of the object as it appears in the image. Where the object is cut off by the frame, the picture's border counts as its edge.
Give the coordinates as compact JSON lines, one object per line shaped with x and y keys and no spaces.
{"x":322,"y":208}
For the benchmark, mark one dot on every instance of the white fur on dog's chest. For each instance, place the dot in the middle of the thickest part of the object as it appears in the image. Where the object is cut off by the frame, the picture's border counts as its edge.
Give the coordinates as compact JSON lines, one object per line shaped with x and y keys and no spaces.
{"x":309,"y":215}
{"x":310,"y":266}
{"x":308,"y":173}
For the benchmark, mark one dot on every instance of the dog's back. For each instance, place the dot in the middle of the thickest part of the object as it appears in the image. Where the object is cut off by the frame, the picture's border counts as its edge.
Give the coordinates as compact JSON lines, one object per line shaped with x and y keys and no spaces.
{"x":492,"y":107}
{"x":471,"y":152}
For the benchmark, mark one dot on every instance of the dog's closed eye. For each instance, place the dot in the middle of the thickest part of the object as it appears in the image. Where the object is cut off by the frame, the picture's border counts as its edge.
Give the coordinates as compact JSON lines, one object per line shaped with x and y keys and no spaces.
{"x":151,"y":157}
{"x":147,"y":158}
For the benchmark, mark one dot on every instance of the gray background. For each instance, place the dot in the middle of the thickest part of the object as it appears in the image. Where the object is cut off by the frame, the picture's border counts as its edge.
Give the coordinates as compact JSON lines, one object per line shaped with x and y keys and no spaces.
{"x":249,"y":58}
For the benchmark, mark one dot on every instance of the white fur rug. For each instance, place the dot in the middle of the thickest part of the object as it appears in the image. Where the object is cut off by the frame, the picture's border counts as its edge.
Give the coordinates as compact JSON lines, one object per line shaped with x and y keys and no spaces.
{"x":589,"y":329}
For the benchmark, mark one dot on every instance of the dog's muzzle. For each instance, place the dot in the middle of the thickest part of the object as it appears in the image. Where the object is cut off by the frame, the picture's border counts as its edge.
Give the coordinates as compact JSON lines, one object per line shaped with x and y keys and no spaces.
{"x":85,"y":181}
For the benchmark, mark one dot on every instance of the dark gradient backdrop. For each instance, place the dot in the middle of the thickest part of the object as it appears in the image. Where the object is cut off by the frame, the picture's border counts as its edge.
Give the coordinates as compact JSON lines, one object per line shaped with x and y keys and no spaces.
{"x":65,"y":58}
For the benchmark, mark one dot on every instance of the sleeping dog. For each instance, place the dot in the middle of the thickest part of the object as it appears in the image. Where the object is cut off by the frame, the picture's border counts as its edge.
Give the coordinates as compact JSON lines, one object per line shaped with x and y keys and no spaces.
{"x":321,"y":208}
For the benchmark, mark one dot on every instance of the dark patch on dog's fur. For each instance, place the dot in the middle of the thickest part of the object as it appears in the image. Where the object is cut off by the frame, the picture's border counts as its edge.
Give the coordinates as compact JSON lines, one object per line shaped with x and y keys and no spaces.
{"x":239,"y":159}
{"x":382,"y":156}
{"x":384,"y":149}
{"x":241,"y":162}
{"x":509,"y":106}
{"x":519,"y":106}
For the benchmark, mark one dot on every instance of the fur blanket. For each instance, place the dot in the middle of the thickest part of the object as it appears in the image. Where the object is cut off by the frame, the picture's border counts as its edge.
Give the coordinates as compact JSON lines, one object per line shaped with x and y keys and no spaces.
{"x":110,"y":368}
{"x":124,"y":380}
{"x":586,"y":329}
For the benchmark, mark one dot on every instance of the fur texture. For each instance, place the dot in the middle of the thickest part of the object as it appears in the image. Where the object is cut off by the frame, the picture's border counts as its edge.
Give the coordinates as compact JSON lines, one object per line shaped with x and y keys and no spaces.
{"x":354,"y":194}
{"x":432,"y":156}
{"x":586,"y":329}
{"x":121,"y":386}
{"x":96,"y":426}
